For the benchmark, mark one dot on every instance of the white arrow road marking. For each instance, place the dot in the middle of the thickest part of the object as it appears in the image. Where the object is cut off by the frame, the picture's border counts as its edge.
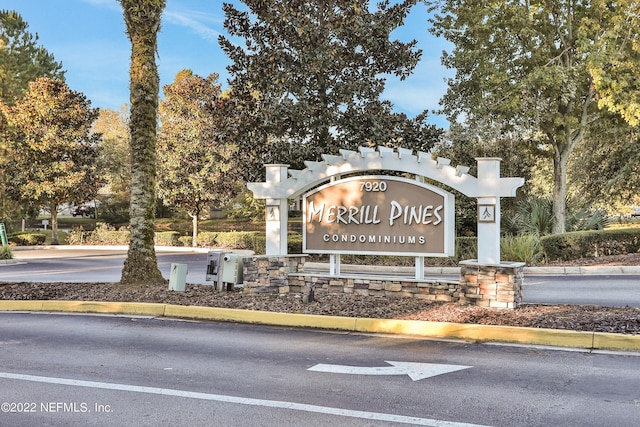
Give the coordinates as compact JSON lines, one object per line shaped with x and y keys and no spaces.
{"x":416,"y":371}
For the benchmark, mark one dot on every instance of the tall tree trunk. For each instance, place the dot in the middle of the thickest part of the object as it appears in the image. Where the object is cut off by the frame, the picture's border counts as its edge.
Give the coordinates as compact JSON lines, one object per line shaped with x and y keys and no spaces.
{"x":194,"y":222}
{"x":562,"y":150}
{"x":571,"y":137}
{"x":560,"y":163}
{"x":142,"y":18}
{"x":54,"y":225}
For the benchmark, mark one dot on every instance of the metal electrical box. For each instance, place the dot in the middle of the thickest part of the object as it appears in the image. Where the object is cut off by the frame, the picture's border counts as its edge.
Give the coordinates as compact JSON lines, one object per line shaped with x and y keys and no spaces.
{"x":232,"y":266}
{"x":214,"y":259}
{"x":177,"y":277}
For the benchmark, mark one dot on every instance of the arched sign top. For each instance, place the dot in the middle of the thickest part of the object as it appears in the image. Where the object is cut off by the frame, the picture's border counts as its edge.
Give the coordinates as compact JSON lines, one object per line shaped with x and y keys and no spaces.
{"x":293,"y":183}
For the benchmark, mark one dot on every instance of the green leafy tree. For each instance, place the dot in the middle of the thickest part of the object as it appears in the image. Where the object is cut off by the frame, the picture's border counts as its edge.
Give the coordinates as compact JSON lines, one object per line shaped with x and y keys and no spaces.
{"x":114,"y":164}
{"x":195,"y":164}
{"x":246,"y":126}
{"x":53,"y":150}
{"x":21,"y":59}
{"x":606,"y":169}
{"x":313,"y":73}
{"x":615,"y":56}
{"x":463,"y":143}
{"x":524,"y":67}
{"x":142,"y":18}
{"x":113,"y":126}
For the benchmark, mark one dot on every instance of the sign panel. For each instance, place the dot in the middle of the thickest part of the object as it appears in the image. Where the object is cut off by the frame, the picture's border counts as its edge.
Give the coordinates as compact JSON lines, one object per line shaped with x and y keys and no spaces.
{"x":379,"y":215}
{"x":486,"y":213}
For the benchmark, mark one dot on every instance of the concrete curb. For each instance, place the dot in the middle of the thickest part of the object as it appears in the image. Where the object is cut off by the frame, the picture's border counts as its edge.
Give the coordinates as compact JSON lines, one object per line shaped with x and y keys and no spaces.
{"x":417,"y":328}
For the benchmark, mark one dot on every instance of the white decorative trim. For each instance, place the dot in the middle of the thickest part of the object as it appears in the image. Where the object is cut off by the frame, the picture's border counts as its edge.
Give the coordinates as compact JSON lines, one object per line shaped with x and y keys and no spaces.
{"x":401,"y":160}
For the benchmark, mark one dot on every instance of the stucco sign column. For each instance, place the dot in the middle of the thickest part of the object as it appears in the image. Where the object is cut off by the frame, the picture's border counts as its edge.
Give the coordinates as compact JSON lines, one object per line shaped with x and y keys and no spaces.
{"x":488,"y":212}
{"x":276,"y":213}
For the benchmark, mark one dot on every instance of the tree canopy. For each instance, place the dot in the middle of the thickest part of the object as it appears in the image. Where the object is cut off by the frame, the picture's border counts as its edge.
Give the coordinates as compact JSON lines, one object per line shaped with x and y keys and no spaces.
{"x":52,"y":149}
{"x":195,"y":164}
{"x":313,"y":73}
{"x":606,"y":168}
{"x":21,"y":58}
{"x":527,"y":67}
{"x":615,"y":56}
{"x":114,"y":162}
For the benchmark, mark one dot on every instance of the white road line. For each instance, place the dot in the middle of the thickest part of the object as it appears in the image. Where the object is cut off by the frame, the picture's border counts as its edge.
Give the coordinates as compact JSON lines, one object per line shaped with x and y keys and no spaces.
{"x":376,"y":416}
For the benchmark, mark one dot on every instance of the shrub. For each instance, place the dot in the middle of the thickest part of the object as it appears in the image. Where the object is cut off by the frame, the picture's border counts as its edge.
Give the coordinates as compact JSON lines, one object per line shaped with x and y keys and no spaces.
{"x":525,"y":248}
{"x":466,"y":248}
{"x":294,"y":243}
{"x":106,"y":234}
{"x":250,"y":240}
{"x":535,"y":216}
{"x":206,"y":238}
{"x":27,"y":239}
{"x":185,"y":241}
{"x":6,"y":252}
{"x":167,"y":238}
{"x":236,"y":239}
{"x":260,"y":244}
{"x":586,"y":219}
{"x":78,"y":236}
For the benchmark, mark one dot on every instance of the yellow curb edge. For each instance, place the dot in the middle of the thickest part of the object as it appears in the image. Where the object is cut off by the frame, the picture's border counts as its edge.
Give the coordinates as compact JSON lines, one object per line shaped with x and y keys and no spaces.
{"x":419,"y":328}
{"x":136,"y":308}
{"x":260,"y":317}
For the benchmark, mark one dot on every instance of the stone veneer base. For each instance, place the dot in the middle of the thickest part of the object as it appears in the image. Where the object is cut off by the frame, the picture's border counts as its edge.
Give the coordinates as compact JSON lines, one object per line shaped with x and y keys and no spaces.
{"x":498,"y":286}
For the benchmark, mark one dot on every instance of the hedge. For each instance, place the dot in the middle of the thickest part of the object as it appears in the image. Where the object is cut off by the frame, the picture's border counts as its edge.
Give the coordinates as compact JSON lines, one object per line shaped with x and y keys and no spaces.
{"x":27,"y":239}
{"x":167,"y":238}
{"x":557,"y":247}
{"x":587,"y":244}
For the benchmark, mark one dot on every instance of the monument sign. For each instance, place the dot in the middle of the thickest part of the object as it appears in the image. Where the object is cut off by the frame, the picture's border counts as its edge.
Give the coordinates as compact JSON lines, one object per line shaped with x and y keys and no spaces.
{"x":379,"y":215}
{"x":347,"y":209}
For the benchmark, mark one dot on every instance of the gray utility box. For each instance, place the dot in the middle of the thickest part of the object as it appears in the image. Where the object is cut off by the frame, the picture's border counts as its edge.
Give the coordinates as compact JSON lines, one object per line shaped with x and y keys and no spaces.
{"x":232,"y":267}
{"x":225,"y":269}
{"x":178,"y":277}
{"x":214,"y":259}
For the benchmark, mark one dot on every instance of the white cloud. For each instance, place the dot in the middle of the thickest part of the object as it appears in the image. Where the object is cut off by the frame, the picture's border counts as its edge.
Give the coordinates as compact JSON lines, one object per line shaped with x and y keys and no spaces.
{"x":196,"y":21}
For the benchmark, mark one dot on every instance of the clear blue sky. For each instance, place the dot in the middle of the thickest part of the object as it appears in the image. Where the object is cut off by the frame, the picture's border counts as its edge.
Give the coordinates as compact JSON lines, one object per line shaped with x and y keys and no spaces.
{"x":88,"y":37}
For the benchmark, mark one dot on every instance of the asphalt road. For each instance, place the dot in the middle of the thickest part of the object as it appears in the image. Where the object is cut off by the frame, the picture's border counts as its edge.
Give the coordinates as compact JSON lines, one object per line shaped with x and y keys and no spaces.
{"x":80,"y":370}
{"x":93,"y":265}
{"x":606,"y":290}
{"x":99,"y":265}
